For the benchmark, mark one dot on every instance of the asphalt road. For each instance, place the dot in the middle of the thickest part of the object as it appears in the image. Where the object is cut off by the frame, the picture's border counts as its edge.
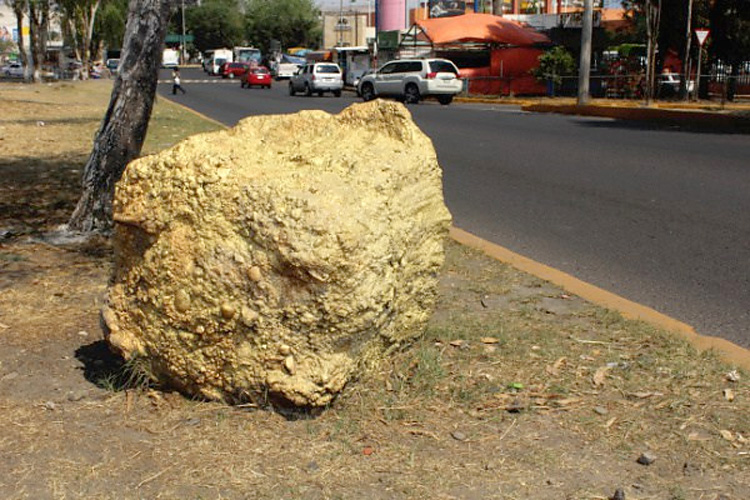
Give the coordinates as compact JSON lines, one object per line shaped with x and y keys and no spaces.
{"x":659,"y":216}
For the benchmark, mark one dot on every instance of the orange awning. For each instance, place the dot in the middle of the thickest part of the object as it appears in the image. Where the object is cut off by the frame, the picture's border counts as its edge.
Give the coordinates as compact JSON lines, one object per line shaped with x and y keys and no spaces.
{"x":482,"y":28}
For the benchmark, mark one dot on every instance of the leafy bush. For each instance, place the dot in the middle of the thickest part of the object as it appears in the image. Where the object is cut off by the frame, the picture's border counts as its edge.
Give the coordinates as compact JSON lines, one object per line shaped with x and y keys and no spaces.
{"x":553,"y":65}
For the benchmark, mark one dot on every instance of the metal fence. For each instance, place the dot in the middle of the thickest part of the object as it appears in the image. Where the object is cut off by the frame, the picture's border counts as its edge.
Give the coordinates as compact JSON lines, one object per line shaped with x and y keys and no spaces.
{"x":622,"y":86}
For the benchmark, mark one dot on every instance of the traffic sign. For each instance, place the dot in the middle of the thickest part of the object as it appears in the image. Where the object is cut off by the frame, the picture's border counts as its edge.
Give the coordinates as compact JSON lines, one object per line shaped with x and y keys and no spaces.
{"x":701,"y":35}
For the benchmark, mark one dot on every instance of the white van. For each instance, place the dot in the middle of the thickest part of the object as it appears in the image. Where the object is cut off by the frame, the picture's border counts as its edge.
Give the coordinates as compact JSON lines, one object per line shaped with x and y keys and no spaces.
{"x":170,"y":58}
{"x":219,"y":57}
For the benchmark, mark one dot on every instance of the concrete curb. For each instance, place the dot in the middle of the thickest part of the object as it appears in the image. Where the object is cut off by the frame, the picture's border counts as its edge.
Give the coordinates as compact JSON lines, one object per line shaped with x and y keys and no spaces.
{"x":728,"y":351}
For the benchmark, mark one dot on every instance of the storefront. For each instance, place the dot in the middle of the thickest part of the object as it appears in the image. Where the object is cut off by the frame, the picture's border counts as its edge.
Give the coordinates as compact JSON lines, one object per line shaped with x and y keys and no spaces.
{"x":495,"y":55}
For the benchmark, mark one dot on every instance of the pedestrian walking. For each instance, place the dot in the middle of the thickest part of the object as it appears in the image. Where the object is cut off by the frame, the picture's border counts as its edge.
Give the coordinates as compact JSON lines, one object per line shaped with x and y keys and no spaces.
{"x":176,"y":82}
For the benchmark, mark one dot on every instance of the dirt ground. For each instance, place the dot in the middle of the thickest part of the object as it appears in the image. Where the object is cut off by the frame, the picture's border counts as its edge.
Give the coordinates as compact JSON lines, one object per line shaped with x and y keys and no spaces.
{"x":518,"y":390}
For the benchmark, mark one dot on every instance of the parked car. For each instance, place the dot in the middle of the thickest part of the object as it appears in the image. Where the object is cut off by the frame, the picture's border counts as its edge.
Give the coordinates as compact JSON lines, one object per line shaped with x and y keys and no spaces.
{"x":317,"y":78}
{"x":113,"y":65}
{"x":669,"y":85}
{"x":259,"y":76}
{"x":233,"y":69}
{"x":13,"y":70}
{"x":411,"y":80}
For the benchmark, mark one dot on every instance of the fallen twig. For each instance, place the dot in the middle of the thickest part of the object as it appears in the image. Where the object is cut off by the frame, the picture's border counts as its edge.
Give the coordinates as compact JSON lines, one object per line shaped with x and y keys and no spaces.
{"x":151,"y":478}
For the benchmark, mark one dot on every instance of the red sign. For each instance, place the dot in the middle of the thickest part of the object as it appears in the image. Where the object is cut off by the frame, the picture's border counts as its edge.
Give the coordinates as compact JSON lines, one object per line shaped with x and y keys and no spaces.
{"x":701,"y":35}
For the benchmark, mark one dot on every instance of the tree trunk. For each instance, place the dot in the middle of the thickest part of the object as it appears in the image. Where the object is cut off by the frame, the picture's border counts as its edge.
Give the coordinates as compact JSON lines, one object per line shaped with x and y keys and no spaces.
{"x":75,"y":45}
{"x":123,"y":129}
{"x":88,"y":19}
{"x":19,"y":6}
{"x":653,"y":19}
{"x":38,"y":19}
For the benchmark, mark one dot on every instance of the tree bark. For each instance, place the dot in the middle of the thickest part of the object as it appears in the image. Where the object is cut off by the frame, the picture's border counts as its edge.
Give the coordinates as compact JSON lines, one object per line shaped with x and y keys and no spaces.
{"x":653,"y":20}
{"x":123,"y":129}
{"x":38,"y":20}
{"x":19,"y":6}
{"x":88,"y":14}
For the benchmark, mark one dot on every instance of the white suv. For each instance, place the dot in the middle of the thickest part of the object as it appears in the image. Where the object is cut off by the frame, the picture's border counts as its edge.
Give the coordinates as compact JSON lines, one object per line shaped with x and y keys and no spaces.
{"x":412,"y":80}
{"x":317,"y":78}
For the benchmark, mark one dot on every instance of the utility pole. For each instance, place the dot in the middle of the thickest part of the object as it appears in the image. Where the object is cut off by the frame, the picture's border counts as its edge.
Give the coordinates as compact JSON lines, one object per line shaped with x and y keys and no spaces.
{"x":341,"y":23}
{"x":685,"y":84}
{"x":584,"y":69}
{"x":182,"y":45}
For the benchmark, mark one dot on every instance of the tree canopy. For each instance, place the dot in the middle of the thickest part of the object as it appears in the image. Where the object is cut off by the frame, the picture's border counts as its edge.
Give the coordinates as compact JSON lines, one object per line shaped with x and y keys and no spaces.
{"x":730,"y":30}
{"x":215,"y":24}
{"x":291,"y":22}
{"x":110,"y":23}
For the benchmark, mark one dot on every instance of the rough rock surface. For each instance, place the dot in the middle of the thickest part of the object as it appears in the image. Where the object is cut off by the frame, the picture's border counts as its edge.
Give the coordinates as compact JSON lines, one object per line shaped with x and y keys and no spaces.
{"x":268,"y":261}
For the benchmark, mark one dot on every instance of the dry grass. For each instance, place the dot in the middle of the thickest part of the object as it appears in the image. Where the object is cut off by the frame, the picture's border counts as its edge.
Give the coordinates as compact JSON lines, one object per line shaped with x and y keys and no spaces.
{"x":517,"y":390}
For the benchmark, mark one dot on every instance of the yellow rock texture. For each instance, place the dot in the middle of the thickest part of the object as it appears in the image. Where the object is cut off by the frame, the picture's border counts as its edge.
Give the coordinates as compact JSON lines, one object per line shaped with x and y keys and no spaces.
{"x":266,"y":263}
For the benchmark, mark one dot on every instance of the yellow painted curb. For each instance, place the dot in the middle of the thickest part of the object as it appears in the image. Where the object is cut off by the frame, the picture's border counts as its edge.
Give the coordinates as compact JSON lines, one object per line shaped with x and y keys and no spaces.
{"x":729,"y":351}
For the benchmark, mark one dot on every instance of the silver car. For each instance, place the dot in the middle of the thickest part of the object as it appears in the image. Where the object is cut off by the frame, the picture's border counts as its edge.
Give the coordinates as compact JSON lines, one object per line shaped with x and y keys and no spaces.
{"x":411,"y":80}
{"x":14,"y":70}
{"x":317,"y":78}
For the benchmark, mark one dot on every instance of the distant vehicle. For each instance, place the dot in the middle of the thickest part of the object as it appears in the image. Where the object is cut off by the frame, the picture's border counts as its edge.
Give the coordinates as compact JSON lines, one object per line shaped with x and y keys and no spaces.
{"x":170,"y":58}
{"x":208,"y":57}
{"x":113,"y":65}
{"x":247,"y":54}
{"x":13,"y":70}
{"x":411,"y":80}
{"x":317,"y":78}
{"x":233,"y":70}
{"x":218,"y":58}
{"x":287,"y":66}
{"x":669,"y":85}
{"x":257,"y":76}
{"x":354,"y":62}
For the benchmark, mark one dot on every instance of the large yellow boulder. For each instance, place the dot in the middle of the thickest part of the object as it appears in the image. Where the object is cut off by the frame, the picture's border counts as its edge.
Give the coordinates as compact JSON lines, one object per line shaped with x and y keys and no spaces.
{"x":268,"y":262}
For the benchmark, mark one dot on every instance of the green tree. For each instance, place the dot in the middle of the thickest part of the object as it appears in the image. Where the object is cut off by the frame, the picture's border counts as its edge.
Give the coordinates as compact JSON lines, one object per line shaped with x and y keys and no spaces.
{"x":730,"y":33}
{"x":672,"y":25}
{"x":110,"y":23}
{"x":79,"y":17}
{"x":553,"y":66}
{"x":291,"y":22}
{"x":215,"y":24}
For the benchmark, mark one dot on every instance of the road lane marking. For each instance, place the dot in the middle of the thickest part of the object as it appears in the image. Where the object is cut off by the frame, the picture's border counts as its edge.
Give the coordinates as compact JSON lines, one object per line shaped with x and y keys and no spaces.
{"x":729,"y":351}
{"x":236,"y":81}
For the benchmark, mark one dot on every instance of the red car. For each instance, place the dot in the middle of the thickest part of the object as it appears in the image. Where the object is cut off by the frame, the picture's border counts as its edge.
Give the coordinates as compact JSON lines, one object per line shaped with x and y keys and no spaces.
{"x":233,"y":69}
{"x":259,"y":76}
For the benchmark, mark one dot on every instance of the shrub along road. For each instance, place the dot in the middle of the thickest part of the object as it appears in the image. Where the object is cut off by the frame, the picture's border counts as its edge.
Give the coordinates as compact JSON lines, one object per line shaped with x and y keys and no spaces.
{"x":657,"y":215}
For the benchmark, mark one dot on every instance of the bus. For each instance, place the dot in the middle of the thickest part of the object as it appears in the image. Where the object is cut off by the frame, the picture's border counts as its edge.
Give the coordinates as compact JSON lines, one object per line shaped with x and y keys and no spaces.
{"x":247,"y":55}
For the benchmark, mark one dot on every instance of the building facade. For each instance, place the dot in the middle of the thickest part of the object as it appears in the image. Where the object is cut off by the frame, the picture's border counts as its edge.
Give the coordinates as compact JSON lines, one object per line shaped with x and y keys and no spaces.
{"x":347,"y":28}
